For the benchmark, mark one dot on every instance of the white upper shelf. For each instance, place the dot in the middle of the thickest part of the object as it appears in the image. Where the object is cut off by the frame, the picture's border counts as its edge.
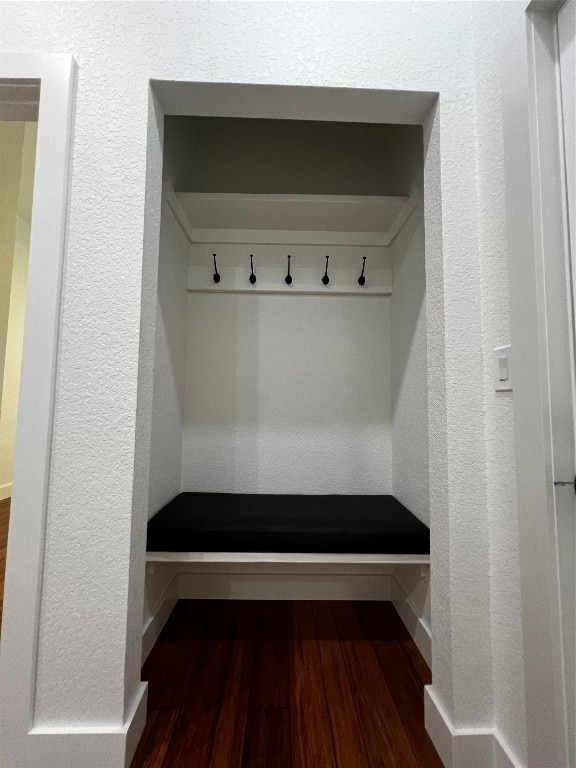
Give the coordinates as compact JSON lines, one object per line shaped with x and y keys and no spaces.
{"x":291,"y":212}
{"x":305,"y":219}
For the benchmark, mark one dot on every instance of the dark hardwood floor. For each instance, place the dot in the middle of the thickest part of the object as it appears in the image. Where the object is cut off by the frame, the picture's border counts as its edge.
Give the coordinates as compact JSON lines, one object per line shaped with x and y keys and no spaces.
{"x":4,"y":516}
{"x":285,"y":685}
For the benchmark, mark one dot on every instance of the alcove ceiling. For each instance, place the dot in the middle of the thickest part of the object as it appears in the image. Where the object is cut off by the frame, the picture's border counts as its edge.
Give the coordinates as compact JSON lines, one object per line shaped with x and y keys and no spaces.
{"x":291,"y":157}
{"x":241,"y":180}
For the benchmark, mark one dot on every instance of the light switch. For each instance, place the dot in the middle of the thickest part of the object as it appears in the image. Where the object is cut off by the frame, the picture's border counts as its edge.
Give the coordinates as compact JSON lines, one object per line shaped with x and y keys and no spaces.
{"x":502,"y":375}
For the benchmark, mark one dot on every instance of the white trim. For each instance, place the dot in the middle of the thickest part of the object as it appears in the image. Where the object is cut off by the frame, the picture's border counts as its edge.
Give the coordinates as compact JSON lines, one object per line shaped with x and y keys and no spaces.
{"x":90,"y":746}
{"x":339,"y":200}
{"x":233,"y":558}
{"x":5,"y":491}
{"x":404,"y":215}
{"x":503,"y":756}
{"x":340,"y":215}
{"x":343,"y":570}
{"x":529,"y":201}
{"x":545,"y":7}
{"x":155,"y":625}
{"x":307,"y":281}
{"x":160,"y":614}
{"x":295,"y":102}
{"x":179,"y":213}
{"x":464,"y":747}
{"x":415,"y":624}
{"x":283,"y":586}
{"x":24,"y":567}
{"x":296,"y":237}
{"x":135,"y":723}
{"x":290,"y":237}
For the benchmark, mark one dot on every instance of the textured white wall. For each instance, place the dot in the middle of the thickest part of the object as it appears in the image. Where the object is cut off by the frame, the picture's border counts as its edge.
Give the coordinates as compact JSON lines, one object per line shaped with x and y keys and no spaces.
{"x":287,"y":394}
{"x":409,"y":370}
{"x":88,"y":657}
{"x":502,"y":513}
{"x":169,"y":365}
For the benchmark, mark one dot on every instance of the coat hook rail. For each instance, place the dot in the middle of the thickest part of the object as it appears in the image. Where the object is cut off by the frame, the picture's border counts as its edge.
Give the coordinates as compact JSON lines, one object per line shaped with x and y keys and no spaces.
{"x":273,"y":279}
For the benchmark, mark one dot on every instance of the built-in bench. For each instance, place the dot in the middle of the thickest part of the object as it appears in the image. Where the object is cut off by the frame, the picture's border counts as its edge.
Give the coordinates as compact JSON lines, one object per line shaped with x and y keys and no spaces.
{"x":287,"y":547}
{"x":214,"y":526}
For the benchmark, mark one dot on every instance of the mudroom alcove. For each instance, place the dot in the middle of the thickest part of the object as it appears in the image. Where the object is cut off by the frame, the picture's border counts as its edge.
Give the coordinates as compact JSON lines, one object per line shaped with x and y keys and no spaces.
{"x":289,"y":449}
{"x":288,"y":482}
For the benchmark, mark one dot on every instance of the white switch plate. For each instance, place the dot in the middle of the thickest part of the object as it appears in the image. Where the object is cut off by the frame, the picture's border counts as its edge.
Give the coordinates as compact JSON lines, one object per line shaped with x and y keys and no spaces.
{"x":503,"y":369}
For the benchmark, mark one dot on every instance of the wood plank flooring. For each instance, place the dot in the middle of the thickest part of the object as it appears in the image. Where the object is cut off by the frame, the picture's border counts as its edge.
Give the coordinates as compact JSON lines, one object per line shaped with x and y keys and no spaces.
{"x":4,"y":516}
{"x":285,"y":685}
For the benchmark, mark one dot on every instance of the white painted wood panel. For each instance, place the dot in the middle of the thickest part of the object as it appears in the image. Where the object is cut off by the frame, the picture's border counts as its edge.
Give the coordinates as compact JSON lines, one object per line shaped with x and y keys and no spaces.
{"x":304,"y":281}
{"x":277,"y":586}
{"x":335,"y":220}
{"x":337,"y":213}
{"x":290,"y":558}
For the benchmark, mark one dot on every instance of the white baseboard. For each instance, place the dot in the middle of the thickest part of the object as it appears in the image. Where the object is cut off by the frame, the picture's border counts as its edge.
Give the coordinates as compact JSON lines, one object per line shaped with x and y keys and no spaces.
{"x":414,"y":623}
{"x":283,"y":586}
{"x":70,"y":746}
{"x":463,"y":747}
{"x":5,"y":491}
{"x":158,"y":618}
{"x":155,"y":625}
{"x":136,"y":724}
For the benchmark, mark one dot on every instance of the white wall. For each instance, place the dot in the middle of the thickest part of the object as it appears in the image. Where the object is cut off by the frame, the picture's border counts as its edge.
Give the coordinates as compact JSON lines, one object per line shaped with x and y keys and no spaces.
{"x":287,"y":394}
{"x":409,"y":370}
{"x":88,"y":658}
{"x":16,"y":279}
{"x":169,"y":365}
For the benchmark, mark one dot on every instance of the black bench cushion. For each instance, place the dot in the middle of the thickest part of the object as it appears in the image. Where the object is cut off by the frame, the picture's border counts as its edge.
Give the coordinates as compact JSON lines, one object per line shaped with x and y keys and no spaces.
{"x":235,"y":522}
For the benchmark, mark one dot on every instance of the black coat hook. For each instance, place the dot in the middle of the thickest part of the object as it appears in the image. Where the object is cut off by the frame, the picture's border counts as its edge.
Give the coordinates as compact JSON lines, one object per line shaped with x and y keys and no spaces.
{"x":326,"y":279}
{"x":362,"y":279}
{"x":216,"y":275}
{"x":288,"y":278}
{"x":252,"y":277}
